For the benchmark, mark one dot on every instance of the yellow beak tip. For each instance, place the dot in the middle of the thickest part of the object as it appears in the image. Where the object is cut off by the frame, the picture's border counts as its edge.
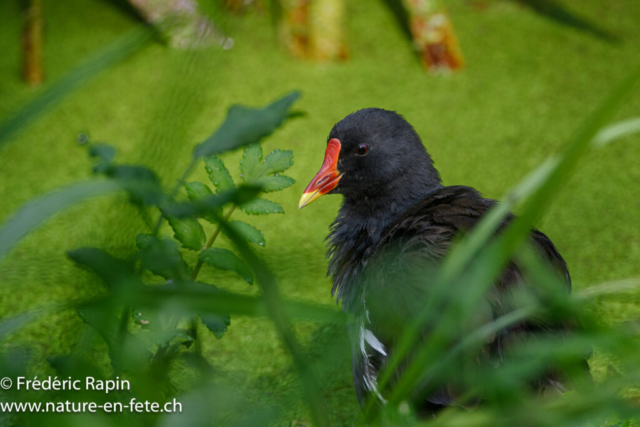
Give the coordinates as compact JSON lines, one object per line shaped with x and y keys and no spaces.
{"x":308,"y":198}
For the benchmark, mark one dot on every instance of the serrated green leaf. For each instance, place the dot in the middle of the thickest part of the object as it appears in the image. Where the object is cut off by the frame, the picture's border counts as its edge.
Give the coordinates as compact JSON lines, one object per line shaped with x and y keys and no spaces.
{"x":129,"y":355}
{"x":248,"y":232}
{"x":162,"y":257}
{"x":251,"y":159}
{"x":142,"y":183}
{"x":261,"y":207}
{"x":187,"y":231}
{"x":115,"y":272}
{"x":244,"y":125}
{"x":132,"y":172}
{"x":239,"y":195}
{"x":261,"y":172}
{"x":276,"y":183}
{"x":218,"y":174}
{"x":276,"y":161}
{"x":198,"y":192}
{"x":224,"y":259}
{"x":158,"y":334}
{"x":216,"y":323}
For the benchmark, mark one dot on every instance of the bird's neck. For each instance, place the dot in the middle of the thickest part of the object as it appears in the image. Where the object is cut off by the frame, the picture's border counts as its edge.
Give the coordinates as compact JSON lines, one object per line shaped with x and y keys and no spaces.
{"x":359,"y":227}
{"x":374,"y":213}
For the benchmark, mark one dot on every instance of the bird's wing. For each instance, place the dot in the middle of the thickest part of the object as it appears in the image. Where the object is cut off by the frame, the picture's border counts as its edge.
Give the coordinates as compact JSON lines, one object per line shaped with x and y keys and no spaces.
{"x":411,"y":249}
{"x":398,"y":277}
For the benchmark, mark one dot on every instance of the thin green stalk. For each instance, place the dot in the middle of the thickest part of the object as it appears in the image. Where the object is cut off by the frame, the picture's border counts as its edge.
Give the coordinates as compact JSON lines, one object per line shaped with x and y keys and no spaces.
{"x":123,"y":328}
{"x":273,"y":304}
{"x":609,"y":288}
{"x":37,"y":210}
{"x":175,"y":189}
{"x":196,"y":270}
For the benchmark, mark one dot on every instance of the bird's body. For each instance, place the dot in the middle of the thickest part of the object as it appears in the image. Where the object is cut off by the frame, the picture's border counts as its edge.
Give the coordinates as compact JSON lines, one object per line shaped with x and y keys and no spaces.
{"x":396,"y":224}
{"x":364,"y":265}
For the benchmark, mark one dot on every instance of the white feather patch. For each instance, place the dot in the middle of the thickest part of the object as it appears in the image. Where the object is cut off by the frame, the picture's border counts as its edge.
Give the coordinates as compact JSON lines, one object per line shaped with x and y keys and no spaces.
{"x":370,"y":375}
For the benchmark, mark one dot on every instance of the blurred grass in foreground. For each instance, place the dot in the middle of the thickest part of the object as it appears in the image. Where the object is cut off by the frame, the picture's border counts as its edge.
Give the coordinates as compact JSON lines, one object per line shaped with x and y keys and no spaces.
{"x":590,"y":404}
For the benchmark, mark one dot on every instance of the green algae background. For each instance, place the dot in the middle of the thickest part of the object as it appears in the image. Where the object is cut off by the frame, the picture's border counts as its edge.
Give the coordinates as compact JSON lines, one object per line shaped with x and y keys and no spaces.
{"x":528,"y":83}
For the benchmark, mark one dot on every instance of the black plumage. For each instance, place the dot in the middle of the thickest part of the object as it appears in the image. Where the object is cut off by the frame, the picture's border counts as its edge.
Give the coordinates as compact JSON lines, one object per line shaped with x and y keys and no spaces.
{"x":397,"y":220}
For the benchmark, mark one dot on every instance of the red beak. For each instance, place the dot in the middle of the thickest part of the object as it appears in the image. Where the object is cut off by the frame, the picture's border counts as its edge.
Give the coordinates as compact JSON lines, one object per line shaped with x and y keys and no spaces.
{"x":327,"y":178}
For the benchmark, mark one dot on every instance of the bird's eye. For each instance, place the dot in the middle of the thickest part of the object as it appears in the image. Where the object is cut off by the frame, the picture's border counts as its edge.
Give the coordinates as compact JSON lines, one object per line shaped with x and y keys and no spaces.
{"x":362,"y":150}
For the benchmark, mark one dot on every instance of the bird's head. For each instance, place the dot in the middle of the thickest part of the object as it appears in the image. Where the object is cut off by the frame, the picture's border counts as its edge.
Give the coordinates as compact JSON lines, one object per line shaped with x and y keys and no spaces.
{"x":372,"y":153}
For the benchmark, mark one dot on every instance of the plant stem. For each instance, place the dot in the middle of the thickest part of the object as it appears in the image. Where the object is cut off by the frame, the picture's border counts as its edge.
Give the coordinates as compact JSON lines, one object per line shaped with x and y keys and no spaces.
{"x":273,"y":303}
{"x":196,"y":270}
{"x":174,"y":191}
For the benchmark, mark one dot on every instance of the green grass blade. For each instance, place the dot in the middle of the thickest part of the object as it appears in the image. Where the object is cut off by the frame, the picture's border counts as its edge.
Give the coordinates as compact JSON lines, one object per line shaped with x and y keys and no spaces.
{"x":37,"y":210}
{"x":631,"y":285}
{"x":208,"y":299}
{"x":122,"y":48}
{"x":11,"y":324}
{"x":617,"y":131}
{"x":273,"y":303}
{"x":556,"y":11}
{"x":539,"y":189}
